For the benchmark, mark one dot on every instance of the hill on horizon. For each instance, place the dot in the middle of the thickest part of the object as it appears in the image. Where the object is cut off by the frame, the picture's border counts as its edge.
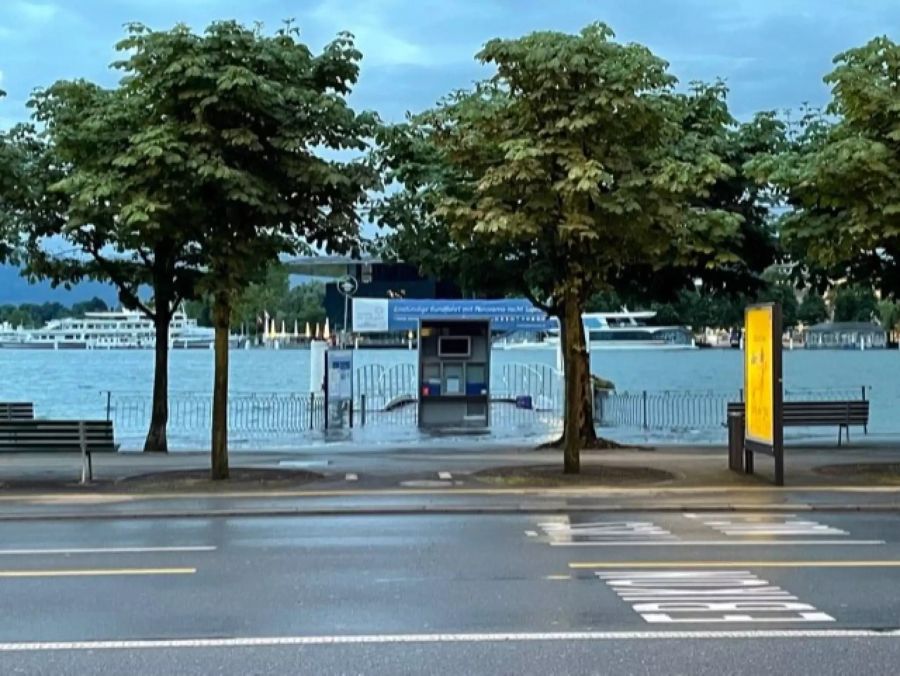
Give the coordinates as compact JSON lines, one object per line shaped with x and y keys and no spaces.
{"x":15,"y":290}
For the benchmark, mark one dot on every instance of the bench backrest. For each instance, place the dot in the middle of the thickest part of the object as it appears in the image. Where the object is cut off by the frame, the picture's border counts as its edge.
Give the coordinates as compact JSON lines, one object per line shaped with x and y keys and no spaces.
{"x":48,"y":436}
{"x":852,"y":412}
{"x":16,"y":410}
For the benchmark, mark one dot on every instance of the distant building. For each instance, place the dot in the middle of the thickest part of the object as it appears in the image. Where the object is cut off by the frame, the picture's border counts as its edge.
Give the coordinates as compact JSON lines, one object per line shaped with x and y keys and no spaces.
{"x":376,"y":279}
{"x":846,"y":336}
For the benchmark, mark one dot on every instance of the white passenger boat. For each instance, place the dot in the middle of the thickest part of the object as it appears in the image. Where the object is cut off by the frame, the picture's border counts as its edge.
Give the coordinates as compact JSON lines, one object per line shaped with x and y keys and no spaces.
{"x":117,"y":330}
{"x":615,"y":331}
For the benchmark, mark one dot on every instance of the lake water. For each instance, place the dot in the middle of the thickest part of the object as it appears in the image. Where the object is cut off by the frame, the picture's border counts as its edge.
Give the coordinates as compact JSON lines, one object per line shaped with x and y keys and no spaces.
{"x":73,"y":383}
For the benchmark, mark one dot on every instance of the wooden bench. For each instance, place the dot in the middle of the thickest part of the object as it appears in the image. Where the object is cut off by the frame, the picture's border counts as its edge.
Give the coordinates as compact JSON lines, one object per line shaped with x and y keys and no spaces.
{"x":840,"y":414}
{"x":17,"y":410}
{"x":59,"y":436}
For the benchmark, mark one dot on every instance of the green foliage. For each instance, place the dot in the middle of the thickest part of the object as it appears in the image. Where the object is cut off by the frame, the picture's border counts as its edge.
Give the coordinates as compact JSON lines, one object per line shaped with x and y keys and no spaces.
{"x":578,"y":150}
{"x":785,"y":294}
{"x":273,"y":295}
{"x":575,"y":162}
{"x":304,"y":303}
{"x":889,"y":314}
{"x":10,"y":177}
{"x":841,"y":176}
{"x":235,"y":121}
{"x":812,"y":309}
{"x":265,"y":295}
{"x":115,"y":215}
{"x":30,"y":315}
{"x":853,"y":303}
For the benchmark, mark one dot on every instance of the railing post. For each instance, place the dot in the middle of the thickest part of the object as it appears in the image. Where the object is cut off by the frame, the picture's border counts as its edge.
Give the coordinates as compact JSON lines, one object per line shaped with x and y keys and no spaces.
{"x":863,"y":392}
{"x":108,"y":404}
{"x":82,"y":441}
{"x":312,"y":410}
{"x":362,"y":410}
{"x":350,"y":406}
{"x":644,"y":417}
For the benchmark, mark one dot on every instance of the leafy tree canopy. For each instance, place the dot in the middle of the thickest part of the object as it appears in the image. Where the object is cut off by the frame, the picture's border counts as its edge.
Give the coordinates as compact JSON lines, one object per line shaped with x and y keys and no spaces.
{"x":854,"y":303}
{"x":841,"y":177}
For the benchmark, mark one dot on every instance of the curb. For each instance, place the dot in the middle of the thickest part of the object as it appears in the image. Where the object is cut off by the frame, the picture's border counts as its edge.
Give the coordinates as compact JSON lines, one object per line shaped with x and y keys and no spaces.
{"x":440,"y":510}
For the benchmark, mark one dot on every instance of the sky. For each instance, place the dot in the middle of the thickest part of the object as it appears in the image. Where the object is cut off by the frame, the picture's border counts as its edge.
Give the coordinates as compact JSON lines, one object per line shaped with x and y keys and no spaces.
{"x":772,"y":53}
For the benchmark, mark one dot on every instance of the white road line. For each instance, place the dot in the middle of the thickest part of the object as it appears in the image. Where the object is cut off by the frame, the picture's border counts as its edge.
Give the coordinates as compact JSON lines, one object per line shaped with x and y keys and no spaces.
{"x":107,"y":550}
{"x":446,"y":476}
{"x":274,"y":641}
{"x":531,"y":533}
{"x":350,"y":476}
{"x":712,"y":543}
{"x":732,"y":515}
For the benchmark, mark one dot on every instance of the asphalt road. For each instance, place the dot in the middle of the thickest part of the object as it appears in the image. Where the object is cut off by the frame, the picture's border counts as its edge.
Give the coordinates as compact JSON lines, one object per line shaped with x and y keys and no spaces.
{"x":603,"y":593}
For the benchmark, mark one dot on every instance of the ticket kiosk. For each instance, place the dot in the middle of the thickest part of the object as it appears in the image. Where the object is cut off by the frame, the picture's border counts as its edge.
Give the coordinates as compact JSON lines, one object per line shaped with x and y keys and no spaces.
{"x":454,"y":373}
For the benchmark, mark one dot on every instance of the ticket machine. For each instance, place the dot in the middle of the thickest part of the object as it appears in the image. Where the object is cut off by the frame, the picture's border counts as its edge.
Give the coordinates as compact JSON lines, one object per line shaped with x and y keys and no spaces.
{"x":454,"y":373}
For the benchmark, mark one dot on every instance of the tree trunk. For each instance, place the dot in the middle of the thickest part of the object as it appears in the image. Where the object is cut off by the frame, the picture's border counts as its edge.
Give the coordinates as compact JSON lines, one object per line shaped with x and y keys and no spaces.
{"x":587,"y":432}
{"x":222,"y":322}
{"x":159,"y":418}
{"x":577,"y":372}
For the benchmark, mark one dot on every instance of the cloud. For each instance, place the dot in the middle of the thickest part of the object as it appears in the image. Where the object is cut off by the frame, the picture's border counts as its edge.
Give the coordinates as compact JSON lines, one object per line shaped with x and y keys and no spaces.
{"x":388,"y":32}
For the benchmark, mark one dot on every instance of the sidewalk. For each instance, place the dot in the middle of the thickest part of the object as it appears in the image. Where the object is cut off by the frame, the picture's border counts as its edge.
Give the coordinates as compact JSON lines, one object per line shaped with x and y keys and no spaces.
{"x":463,"y":478}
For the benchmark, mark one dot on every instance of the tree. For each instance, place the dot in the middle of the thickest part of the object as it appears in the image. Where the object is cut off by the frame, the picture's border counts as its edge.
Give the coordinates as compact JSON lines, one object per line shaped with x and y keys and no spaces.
{"x":304,"y":304}
{"x":10,"y":179}
{"x":779,"y":289}
{"x":841,"y":177}
{"x":271,"y":295}
{"x":96,"y":180}
{"x":812,"y":309}
{"x":250,"y":115}
{"x":854,"y":303}
{"x":93,"y":305}
{"x":575,"y":162}
{"x":889,"y":314}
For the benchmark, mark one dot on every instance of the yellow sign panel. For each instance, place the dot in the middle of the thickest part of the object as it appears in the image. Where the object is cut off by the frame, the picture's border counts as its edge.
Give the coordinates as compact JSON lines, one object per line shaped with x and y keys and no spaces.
{"x":759,"y":368}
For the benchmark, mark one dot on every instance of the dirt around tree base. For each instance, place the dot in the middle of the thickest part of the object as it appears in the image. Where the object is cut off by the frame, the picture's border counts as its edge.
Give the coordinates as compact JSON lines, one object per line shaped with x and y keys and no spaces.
{"x":199,"y":480}
{"x":598,"y":444}
{"x":864,"y":472}
{"x":549,"y":476}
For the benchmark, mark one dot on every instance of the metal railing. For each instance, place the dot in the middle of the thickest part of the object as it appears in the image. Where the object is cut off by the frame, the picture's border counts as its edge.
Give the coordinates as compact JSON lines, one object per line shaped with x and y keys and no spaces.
{"x":380,"y":389}
{"x":521,"y":394}
{"x":673,"y":410}
{"x":247,"y":412}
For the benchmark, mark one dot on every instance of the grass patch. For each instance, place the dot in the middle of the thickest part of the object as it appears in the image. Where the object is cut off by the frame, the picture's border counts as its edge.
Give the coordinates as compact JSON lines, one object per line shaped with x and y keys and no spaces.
{"x":864,"y":472}
{"x":199,"y":480}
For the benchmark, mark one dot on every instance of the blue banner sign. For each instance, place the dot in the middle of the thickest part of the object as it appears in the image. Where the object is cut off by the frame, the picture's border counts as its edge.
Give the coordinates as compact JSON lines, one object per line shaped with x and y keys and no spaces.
{"x":386,"y":315}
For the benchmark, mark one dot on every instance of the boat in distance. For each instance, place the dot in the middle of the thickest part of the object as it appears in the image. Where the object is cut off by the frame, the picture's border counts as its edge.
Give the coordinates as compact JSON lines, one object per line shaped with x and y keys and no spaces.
{"x":623,"y":330}
{"x":115,"y":330}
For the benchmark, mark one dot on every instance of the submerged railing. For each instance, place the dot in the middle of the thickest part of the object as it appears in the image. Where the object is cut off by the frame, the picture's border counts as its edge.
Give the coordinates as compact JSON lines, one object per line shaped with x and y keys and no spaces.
{"x":256,"y":412}
{"x":521,"y":395}
{"x":679,"y":409}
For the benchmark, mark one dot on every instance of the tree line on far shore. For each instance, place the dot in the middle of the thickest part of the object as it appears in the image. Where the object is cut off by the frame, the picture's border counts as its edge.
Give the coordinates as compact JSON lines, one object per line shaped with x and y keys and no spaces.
{"x":699,"y":310}
{"x":34,"y":315}
{"x":578,"y":167}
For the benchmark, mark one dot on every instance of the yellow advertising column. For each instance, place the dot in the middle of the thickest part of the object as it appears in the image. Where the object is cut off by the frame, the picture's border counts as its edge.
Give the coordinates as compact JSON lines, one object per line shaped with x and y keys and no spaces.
{"x":763,"y":429}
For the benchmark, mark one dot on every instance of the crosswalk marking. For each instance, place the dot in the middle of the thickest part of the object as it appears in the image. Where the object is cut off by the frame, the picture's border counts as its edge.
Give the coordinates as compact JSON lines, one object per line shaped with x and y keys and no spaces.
{"x":740,"y":525}
{"x":563,"y":533}
{"x":708,"y":596}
